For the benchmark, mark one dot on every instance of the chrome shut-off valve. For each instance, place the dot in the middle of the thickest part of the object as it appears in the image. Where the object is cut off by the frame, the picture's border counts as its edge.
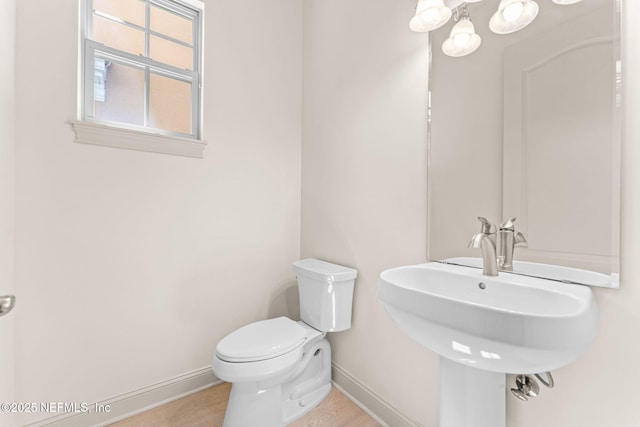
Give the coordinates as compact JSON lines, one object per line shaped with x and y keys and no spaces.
{"x":527,"y":386}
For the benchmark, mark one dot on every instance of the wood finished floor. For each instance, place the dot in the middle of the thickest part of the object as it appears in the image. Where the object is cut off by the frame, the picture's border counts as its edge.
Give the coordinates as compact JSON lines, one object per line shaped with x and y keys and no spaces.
{"x":206,"y":409}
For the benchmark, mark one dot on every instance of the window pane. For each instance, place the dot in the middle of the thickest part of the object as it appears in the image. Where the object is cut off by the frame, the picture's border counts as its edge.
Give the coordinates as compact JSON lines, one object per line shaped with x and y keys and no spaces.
{"x":128,"y":10}
{"x":123,"y":94}
{"x":171,"y":24}
{"x":118,"y":36}
{"x":171,"y":53}
{"x":169,"y":104}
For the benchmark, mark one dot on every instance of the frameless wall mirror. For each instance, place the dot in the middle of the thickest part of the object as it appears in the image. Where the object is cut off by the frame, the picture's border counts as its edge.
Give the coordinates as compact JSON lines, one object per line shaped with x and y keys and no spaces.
{"x":528,"y":126}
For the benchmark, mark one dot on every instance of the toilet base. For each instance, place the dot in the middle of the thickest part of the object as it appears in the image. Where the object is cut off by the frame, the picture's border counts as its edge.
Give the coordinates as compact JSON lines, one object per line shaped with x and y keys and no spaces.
{"x":275,"y":403}
{"x":295,"y":409}
{"x":250,"y":406}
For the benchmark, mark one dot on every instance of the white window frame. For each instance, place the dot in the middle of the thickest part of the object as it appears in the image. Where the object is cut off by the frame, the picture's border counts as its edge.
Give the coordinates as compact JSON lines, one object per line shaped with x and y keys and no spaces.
{"x":93,"y":131}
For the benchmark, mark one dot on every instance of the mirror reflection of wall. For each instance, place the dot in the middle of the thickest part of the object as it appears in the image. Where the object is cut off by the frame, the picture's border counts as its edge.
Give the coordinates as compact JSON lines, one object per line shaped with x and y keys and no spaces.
{"x":528,"y":126}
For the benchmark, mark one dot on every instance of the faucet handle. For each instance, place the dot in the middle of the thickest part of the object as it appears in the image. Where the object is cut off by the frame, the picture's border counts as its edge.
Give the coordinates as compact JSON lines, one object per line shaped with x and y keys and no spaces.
{"x":508,"y":224}
{"x":520,"y":240}
{"x":487,"y":227}
{"x":518,"y":237}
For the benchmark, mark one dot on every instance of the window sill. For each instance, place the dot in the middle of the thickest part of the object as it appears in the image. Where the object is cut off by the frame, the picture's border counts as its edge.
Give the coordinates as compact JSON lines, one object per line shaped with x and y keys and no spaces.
{"x":98,"y":134}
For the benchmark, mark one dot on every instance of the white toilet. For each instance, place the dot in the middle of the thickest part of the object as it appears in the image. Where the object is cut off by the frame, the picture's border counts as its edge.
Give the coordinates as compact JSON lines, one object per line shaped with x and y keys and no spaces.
{"x":280,"y":369}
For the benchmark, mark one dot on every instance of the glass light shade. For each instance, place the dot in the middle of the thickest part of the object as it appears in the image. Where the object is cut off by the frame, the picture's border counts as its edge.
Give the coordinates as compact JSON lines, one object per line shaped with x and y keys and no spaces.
{"x":430,"y":14}
{"x":462,"y":40}
{"x":513,"y":15}
{"x":563,"y":2}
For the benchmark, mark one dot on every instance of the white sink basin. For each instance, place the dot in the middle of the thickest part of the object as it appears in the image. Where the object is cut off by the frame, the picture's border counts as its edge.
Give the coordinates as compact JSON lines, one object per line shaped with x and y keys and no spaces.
{"x":506,"y":323}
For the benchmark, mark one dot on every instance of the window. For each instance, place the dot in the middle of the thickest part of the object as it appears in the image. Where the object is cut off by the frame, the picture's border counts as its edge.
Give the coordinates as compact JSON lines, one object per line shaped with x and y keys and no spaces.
{"x":141,"y":75}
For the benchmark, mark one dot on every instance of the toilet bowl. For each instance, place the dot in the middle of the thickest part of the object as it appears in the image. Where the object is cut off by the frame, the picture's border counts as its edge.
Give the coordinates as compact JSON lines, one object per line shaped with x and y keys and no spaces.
{"x":269,"y":388}
{"x":280,"y":369}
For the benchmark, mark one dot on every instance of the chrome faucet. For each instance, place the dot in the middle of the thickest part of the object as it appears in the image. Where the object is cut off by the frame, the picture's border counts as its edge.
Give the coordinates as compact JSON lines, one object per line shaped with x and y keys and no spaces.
{"x":486,"y":240}
{"x":508,"y":239}
{"x":497,"y":254}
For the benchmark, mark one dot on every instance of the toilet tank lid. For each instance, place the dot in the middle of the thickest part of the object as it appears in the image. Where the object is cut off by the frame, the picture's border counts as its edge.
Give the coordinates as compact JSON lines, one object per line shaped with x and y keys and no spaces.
{"x":323,"y":271}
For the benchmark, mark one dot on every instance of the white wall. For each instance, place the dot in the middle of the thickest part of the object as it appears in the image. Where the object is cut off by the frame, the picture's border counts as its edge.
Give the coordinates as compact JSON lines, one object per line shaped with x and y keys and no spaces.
{"x":363,"y":204}
{"x":130,"y":266}
{"x":364,"y":178}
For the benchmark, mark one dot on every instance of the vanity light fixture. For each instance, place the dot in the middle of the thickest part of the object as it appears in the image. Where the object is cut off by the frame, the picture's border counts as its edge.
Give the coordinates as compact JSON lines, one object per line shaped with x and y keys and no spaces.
{"x":463,"y":38}
{"x":511,"y":16}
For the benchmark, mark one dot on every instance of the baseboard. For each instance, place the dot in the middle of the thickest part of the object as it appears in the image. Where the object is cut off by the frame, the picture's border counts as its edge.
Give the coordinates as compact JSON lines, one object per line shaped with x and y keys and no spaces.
{"x":378,"y":408}
{"x":137,"y":401}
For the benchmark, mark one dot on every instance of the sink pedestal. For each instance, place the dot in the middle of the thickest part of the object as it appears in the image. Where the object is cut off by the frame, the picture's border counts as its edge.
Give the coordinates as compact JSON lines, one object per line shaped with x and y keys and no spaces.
{"x":471,"y":396}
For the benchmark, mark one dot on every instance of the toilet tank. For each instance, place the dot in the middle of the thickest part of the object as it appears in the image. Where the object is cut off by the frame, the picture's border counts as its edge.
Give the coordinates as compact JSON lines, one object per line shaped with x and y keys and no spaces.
{"x":326,"y":294}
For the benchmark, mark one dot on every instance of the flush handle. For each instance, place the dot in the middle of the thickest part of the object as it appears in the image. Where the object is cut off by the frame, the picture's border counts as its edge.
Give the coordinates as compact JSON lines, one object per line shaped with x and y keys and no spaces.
{"x":7,"y":302}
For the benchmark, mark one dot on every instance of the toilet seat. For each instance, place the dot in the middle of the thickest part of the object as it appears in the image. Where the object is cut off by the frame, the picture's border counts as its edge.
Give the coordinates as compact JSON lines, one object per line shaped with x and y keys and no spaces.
{"x":261,"y":340}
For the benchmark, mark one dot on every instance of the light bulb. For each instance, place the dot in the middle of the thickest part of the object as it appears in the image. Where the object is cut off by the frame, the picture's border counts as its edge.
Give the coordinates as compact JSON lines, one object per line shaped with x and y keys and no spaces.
{"x":462,"y":40}
{"x":513,"y":15}
{"x":513,"y":11}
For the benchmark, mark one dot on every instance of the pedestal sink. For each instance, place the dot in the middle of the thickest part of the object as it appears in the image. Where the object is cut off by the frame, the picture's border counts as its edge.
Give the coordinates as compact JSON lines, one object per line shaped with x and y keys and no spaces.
{"x":485,"y":327}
